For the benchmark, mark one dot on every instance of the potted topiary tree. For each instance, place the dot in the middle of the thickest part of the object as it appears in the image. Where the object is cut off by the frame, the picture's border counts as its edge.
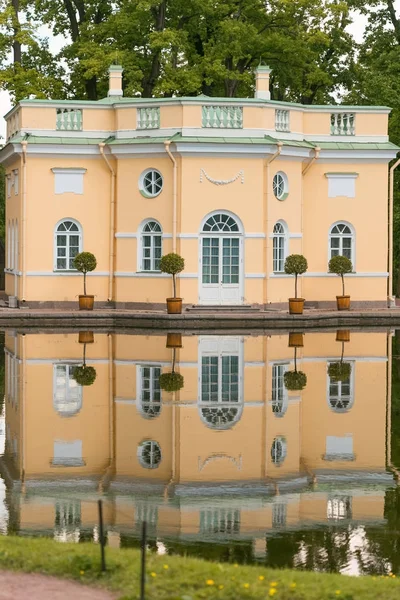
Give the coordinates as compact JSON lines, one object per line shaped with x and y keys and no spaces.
{"x":84,"y":262}
{"x":296,"y":264}
{"x":295,"y":380}
{"x":173,"y":264}
{"x":340,"y":370}
{"x":172,"y":382}
{"x":84,"y":375}
{"x":341,"y":265}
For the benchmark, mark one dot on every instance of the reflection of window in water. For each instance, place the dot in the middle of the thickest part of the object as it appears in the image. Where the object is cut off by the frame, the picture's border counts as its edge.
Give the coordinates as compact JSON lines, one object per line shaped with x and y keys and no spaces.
{"x":220,"y":403}
{"x":12,"y":380}
{"x":219,"y":520}
{"x":279,"y":392}
{"x":68,"y":454}
{"x":149,"y":454}
{"x":145,"y":511}
{"x":67,"y":394}
{"x":279,"y":514}
{"x":339,"y":507}
{"x":149,"y":391}
{"x":278,"y":450}
{"x":339,"y":448}
{"x":67,"y":520}
{"x":341,"y":395}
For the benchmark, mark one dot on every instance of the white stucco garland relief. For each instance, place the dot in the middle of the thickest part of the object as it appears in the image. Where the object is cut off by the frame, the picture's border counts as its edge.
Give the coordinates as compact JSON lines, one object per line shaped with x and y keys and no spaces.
{"x":238,"y":175}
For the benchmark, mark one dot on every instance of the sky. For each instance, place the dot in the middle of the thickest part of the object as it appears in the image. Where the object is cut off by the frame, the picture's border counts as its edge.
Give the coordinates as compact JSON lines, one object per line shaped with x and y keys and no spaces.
{"x":356,"y":29}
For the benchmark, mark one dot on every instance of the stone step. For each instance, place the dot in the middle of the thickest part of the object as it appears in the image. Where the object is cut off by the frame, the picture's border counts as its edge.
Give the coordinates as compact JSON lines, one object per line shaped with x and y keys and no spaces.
{"x":237,"y":308}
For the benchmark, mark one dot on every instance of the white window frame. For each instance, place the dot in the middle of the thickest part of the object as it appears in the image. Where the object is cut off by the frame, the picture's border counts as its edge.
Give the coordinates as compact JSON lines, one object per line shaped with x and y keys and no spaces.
{"x":142,"y":462}
{"x":341,"y":236}
{"x":68,"y":377}
{"x":141,"y":236}
{"x":285,"y":180}
{"x":279,"y":377}
{"x":277,"y":237}
{"x":282,"y":441}
{"x":67,"y":233}
{"x":339,"y":384}
{"x":139,"y":391}
{"x":142,"y":188}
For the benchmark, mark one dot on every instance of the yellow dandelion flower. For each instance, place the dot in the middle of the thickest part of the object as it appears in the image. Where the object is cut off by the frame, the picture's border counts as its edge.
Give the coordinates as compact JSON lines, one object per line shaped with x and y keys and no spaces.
{"x":153,"y":574}
{"x":220,"y":587}
{"x":273,"y":584}
{"x":261,"y":577}
{"x":338,"y":592}
{"x":292,"y":586}
{"x":246,"y":585}
{"x":235,"y":565}
{"x":82,"y":572}
{"x":166,"y":566}
{"x":210,"y":582}
{"x":272,"y":592}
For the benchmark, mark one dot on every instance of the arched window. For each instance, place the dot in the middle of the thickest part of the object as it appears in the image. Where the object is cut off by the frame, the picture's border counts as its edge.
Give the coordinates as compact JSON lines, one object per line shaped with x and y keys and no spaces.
{"x":151,"y":246}
{"x":149,"y":454}
{"x":340,"y":394}
{"x":221,"y":223}
{"x":341,"y":241}
{"x":149,"y":392}
{"x":339,"y":508}
{"x":67,"y":393}
{"x":68,"y":244}
{"x":279,"y":248}
{"x":279,"y":391}
{"x":278,"y":450}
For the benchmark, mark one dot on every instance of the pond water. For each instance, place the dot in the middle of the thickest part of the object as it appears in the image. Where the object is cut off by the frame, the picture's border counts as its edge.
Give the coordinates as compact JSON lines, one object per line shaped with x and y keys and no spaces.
{"x":280,"y":449}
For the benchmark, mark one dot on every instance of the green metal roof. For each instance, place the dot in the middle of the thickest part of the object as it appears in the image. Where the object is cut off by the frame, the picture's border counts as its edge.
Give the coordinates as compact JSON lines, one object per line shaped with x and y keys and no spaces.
{"x":356,"y":145}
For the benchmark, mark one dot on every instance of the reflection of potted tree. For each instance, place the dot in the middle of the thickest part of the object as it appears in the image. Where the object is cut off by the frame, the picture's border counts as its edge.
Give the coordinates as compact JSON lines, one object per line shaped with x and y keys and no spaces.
{"x":174,"y":340}
{"x":296,"y":339}
{"x":341,"y":265}
{"x":296,"y":264}
{"x":339,"y":370}
{"x":85,"y":262}
{"x":173,"y":264}
{"x":83,"y":374}
{"x":173,"y":381}
{"x":343,"y":335}
{"x":295,"y":380}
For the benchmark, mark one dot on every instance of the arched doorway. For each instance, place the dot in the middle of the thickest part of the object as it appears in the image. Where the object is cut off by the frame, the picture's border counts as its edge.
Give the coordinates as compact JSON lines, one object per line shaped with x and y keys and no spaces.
{"x":221,"y":249}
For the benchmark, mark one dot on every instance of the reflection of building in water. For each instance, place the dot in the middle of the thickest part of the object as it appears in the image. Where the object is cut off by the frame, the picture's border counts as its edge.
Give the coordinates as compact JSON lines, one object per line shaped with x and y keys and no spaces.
{"x":230,"y":456}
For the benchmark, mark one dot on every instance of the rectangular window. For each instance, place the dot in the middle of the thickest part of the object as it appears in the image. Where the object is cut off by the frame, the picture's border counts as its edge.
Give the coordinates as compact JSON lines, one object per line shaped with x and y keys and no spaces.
{"x":68,"y":454}
{"x":210,"y":260}
{"x":279,"y":511}
{"x":220,"y":520}
{"x":278,"y":254}
{"x":339,"y":448}
{"x":150,"y":391}
{"x":220,"y":379}
{"x":151,"y":252}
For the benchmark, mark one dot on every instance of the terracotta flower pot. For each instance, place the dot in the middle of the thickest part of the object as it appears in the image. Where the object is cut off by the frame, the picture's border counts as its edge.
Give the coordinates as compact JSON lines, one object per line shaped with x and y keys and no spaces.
{"x":343,"y":335}
{"x":343,"y":302}
{"x":296,"y":340}
{"x":174,"y":306}
{"x":296,"y":306}
{"x":174,"y":340}
{"x":86,"y":302}
{"x":86,"y":337}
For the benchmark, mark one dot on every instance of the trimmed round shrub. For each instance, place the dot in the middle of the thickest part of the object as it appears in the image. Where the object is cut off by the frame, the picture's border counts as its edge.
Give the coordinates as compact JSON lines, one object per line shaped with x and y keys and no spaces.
{"x":85,"y":262}
{"x":85,"y":375}
{"x":171,"y":382}
{"x":295,"y":380}
{"x":296,"y":264}
{"x":172,"y":263}
{"x":339,"y":371}
{"x":341,"y":265}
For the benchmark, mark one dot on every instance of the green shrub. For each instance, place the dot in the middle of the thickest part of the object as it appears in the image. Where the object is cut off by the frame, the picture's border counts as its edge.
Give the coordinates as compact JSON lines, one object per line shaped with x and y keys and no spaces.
{"x":172,"y":264}
{"x":85,"y":375}
{"x":296,"y":264}
{"x":84,"y":262}
{"x":341,"y":265}
{"x":339,"y":371}
{"x":295,"y":380}
{"x":171,"y":382}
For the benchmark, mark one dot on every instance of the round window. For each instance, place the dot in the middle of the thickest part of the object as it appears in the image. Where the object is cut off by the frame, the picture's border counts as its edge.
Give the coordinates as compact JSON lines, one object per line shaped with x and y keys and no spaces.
{"x":278,"y":450}
{"x":149,"y":454}
{"x":280,"y":186}
{"x":150,"y":183}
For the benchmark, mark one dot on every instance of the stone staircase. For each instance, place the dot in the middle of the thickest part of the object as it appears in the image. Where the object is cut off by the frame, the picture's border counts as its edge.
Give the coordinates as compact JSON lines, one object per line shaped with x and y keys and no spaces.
{"x":218,"y":308}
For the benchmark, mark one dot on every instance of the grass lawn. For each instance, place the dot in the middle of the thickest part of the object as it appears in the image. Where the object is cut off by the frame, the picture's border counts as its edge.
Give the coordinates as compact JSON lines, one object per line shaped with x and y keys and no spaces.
{"x":177,"y":578}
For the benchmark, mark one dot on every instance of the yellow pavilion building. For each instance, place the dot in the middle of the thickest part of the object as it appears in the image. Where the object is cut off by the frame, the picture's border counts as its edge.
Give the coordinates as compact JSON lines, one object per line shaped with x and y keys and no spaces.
{"x":234,"y":185}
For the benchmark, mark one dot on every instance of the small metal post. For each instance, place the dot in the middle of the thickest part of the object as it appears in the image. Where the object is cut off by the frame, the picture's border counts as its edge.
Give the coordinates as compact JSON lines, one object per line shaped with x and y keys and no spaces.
{"x":143,"y":562}
{"x":102,"y":541}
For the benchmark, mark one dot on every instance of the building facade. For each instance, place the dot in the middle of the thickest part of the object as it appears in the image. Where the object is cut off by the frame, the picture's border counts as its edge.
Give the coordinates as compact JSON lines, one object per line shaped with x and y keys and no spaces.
{"x":233,"y":185}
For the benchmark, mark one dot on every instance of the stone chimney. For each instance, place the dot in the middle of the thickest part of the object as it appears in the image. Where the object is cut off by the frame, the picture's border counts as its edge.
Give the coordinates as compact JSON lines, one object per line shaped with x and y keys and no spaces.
{"x":262,"y":82}
{"x":115,"y":81}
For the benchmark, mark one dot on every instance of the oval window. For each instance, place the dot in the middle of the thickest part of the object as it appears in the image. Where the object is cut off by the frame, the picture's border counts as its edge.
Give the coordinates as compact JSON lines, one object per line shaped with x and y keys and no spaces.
{"x":151,"y":183}
{"x":280,"y":185}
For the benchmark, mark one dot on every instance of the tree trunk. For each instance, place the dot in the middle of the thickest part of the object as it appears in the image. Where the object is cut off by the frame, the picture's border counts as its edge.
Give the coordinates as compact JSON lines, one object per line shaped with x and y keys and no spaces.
{"x":17,"y":53}
{"x":343,"y":285}
{"x":174,"y":283}
{"x":295,"y":285}
{"x":84,"y":284}
{"x":150,"y":81}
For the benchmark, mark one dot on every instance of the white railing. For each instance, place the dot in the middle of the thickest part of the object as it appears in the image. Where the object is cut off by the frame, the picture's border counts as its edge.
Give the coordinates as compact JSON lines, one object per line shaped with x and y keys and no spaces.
{"x":282,"y":120}
{"x":343,"y":123}
{"x":68,"y":119}
{"x":148,"y":118}
{"x":222,"y":117}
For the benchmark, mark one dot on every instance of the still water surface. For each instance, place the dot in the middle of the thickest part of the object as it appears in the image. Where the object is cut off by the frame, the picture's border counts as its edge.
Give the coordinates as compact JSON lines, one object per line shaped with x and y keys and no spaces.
{"x":246,"y":462}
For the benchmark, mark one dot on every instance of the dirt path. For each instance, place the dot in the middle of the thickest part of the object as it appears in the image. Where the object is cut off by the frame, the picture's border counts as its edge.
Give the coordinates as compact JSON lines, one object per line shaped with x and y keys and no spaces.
{"x":21,"y":586}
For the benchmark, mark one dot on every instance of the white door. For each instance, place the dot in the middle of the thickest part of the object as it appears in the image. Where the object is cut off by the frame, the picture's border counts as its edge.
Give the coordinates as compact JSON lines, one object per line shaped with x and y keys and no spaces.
{"x":220,"y":270}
